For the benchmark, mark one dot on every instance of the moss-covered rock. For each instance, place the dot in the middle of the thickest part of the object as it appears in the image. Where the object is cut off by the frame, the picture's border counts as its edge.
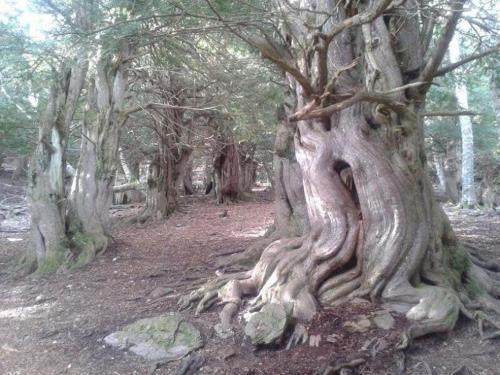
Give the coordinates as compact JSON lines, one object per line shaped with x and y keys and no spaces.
{"x":267,"y":326}
{"x":162,"y":338}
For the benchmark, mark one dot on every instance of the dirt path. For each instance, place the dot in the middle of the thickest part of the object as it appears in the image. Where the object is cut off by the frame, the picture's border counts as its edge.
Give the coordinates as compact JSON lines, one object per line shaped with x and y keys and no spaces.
{"x":55,"y":324}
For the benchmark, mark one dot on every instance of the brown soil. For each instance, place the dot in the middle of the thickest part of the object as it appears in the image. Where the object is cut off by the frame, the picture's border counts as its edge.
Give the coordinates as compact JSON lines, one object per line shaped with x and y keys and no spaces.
{"x":54,"y":324}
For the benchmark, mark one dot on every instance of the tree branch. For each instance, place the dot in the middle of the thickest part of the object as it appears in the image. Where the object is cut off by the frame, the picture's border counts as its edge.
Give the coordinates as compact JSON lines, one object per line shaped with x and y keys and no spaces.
{"x":450,"y":113}
{"x":450,"y":67}
{"x":164,"y":105}
{"x":274,"y":54}
{"x":362,"y":95}
{"x":357,"y":20}
{"x":439,"y":51}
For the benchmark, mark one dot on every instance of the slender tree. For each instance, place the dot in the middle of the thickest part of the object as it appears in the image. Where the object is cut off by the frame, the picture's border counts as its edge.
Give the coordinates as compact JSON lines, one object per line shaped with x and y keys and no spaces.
{"x":468,"y":188}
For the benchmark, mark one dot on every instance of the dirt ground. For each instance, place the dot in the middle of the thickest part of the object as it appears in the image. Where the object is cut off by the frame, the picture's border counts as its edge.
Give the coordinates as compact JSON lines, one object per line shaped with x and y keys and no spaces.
{"x":55,"y":324}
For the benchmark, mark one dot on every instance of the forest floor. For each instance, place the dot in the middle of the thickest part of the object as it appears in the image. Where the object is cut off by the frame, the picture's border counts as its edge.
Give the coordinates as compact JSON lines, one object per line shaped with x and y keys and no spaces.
{"x":55,"y":324}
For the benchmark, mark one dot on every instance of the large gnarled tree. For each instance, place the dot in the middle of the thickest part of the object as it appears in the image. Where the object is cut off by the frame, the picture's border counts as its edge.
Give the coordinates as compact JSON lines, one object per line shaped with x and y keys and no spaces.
{"x":358,"y":73}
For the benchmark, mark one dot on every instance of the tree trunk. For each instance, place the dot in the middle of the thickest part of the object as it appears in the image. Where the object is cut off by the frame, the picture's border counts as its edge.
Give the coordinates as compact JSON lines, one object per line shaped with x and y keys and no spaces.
{"x":187,"y":179}
{"x":92,"y":190}
{"x":248,"y":167}
{"x":469,"y":198}
{"x":290,"y":219}
{"x":376,"y":230}
{"x":168,"y":168}
{"x":20,"y":168}
{"x":447,"y":177}
{"x":495,"y":94}
{"x":165,"y":175}
{"x":47,"y":195}
{"x":227,"y":173}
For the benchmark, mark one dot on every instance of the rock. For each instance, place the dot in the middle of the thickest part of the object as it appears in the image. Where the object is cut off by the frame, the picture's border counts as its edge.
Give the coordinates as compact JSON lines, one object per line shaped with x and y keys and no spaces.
{"x":314,"y":340}
{"x":163,"y":338}
{"x":268,"y":325}
{"x":160,"y":292}
{"x":463,"y":370}
{"x":333,"y":338}
{"x":384,"y":320}
{"x":228,"y":353}
{"x":223,"y":331}
{"x":361,"y":324}
{"x":191,"y":365}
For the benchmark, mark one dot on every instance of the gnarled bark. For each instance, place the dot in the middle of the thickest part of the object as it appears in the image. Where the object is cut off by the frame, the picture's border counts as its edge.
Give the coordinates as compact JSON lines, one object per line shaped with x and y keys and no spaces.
{"x":227,"y":172}
{"x":47,"y":195}
{"x":92,"y":190}
{"x":376,"y":230}
{"x":168,"y":168}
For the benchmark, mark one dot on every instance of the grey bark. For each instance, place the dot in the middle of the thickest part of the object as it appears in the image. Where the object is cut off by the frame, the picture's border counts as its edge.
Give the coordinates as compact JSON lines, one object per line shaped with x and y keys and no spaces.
{"x":469,"y":198}
{"x":92,"y":190}
{"x":47,"y":195}
{"x":375,"y":228}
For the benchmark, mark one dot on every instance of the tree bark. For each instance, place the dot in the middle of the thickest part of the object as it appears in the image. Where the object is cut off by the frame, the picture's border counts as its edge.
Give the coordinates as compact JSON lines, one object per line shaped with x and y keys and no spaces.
{"x":92,"y":190}
{"x":248,"y":166}
{"x":469,"y":198}
{"x":168,"y":168}
{"x":446,"y":173}
{"x":227,"y":172}
{"x":376,"y":230}
{"x":47,"y":195}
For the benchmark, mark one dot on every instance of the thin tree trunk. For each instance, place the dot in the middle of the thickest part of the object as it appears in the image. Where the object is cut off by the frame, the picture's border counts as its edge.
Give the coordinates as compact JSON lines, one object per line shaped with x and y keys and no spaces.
{"x":227,"y":173}
{"x":469,"y":198}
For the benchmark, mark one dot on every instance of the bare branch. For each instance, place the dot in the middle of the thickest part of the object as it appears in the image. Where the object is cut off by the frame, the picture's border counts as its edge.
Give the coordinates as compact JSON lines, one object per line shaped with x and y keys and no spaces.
{"x":362,"y":95}
{"x":165,"y":105}
{"x":274,"y":53}
{"x":439,"y":51}
{"x":357,"y":20}
{"x":449,"y":113}
{"x":476,"y":56}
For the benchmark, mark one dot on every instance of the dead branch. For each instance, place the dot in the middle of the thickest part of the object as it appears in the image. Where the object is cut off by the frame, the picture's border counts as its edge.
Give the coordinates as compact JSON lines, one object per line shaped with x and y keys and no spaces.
{"x":450,"y":113}
{"x":476,"y":56}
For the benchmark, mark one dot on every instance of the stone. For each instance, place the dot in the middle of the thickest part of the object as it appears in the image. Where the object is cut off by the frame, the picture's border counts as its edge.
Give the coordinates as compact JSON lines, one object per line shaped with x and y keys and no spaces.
{"x":267,"y":326}
{"x":223,"y":331}
{"x":384,"y":320}
{"x":463,"y":370}
{"x":164,"y":338}
{"x":228,"y":353}
{"x":361,"y":324}
{"x":160,"y":292}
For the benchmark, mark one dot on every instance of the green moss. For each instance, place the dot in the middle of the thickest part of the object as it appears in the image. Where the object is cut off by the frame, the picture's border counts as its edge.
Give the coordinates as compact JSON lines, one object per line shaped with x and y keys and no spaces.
{"x":85,"y":246}
{"x":165,"y":332}
{"x":26,"y":264}
{"x":458,"y":264}
{"x":51,"y":264}
{"x":472,"y":288}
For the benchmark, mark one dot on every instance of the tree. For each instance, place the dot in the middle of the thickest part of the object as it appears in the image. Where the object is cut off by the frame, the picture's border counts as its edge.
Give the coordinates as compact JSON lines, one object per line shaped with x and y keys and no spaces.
{"x":47,"y":195}
{"x":468,"y":189}
{"x":356,"y":94}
